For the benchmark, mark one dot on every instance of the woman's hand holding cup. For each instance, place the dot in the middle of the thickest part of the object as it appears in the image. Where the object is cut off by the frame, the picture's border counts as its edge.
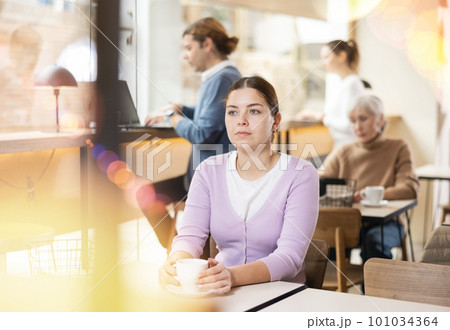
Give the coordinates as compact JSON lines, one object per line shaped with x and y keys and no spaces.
{"x":373,"y":194}
{"x":216,"y":278}
{"x":357,"y":196}
{"x":168,"y":272}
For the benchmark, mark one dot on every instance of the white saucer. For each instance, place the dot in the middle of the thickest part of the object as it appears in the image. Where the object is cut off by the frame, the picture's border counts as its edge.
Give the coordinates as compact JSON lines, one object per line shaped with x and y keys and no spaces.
{"x":382,"y":203}
{"x":178,"y":291}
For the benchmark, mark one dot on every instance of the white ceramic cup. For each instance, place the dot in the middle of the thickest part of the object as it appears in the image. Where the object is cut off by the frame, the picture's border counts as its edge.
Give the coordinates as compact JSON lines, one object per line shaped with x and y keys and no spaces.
{"x":187,"y":273}
{"x":373,"y":194}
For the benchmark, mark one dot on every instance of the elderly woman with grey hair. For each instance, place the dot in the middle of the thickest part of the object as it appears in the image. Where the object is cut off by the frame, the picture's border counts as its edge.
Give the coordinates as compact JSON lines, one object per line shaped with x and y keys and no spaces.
{"x":375,"y":160}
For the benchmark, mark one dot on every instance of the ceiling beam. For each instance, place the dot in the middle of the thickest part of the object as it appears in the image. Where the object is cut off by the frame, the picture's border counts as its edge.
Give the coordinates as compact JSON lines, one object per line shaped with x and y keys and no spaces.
{"x":305,"y":8}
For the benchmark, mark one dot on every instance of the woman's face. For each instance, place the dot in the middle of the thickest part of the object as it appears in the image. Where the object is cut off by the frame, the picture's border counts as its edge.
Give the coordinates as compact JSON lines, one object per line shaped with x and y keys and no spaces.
{"x":365,"y":125}
{"x":248,"y":119}
{"x":330,"y":60}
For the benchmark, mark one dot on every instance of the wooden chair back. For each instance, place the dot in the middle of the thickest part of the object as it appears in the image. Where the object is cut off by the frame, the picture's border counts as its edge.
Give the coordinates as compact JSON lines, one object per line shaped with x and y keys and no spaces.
{"x":345,"y":218}
{"x":340,"y":228}
{"x":316,"y":263}
{"x":437,"y":248}
{"x":406,"y":280}
{"x":212,"y":247}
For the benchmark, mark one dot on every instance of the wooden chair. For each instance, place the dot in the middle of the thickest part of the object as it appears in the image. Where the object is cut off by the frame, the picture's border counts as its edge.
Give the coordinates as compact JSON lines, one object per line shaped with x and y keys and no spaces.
{"x":406,"y":280}
{"x":402,"y":245}
{"x":340,"y":228}
{"x":349,"y":186}
{"x":445,"y":211}
{"x":213,"y":251}
{"x":316,"y":263}
{"x":437,"y":248}
{"x":176,"y":207}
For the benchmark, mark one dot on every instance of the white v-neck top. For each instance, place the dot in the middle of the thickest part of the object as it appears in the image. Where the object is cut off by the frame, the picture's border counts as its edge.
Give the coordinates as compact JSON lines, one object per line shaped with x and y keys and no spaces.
{"x":247,"y":197}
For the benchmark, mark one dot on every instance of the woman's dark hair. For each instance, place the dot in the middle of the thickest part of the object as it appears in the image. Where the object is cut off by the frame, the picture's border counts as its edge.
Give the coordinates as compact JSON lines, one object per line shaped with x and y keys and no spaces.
{"x":212,"y":28}
{"x":262,"y":86}
{"x":366,"y":84}
{"x":349,"y":47}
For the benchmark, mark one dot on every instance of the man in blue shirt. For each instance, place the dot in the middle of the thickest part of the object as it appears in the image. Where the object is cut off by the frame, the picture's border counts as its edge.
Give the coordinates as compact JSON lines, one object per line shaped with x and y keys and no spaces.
{"x":206,"y":48}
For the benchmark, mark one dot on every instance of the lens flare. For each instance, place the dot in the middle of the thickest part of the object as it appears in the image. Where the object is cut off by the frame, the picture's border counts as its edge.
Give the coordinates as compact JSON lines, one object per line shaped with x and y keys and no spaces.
{"x":124,"y":178}
{"x":119,"y":173}
{"x":143,"y":194}
{"x":423,"y":52}
{"x":113,"y":168}
{"x":423,"y":44}
{"x":426,"y":21}
{"x":420,"y":5}
{"x":413,"y":26}
{"x":361,"y":8}
{"x":105,"y":158}
{"x":166,"y":200}
{"x":392,"y":25}
{"x":97,"y":150}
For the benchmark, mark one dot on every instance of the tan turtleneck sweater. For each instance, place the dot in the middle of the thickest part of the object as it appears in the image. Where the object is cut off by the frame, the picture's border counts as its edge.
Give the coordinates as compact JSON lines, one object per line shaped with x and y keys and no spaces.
{"x":380,"y":162}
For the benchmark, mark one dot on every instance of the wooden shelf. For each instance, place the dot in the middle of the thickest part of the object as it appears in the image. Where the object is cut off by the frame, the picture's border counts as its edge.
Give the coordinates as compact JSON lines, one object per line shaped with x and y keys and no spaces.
{"x":38,"y":140}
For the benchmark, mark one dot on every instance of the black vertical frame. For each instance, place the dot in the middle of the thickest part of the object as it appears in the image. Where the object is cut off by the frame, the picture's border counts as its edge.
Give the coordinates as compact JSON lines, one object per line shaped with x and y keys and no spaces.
{"x":107,"y":72}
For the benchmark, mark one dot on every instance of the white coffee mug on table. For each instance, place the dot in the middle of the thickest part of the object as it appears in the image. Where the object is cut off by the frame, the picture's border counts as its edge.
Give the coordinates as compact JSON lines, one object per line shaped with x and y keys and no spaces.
{"x":187,"y":273}
{"x":373,"y":194}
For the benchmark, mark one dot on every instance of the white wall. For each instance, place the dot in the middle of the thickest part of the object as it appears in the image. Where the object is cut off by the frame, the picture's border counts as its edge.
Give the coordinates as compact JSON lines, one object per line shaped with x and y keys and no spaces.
{"x":159,"y":38}
{"x":442,"y":157}
{"x":403,"y":90}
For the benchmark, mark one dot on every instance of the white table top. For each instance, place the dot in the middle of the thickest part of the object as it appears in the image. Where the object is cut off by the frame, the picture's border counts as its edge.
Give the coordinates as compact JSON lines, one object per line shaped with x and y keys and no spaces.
{"x":243,"y":298}
{"x":314,"y":300}
{"x":433,"y":172}
{"x":391,"y":210}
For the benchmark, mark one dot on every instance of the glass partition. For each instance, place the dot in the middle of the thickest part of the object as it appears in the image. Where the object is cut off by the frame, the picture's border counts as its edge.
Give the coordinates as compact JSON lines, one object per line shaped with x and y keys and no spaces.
{"x":36,"y":34}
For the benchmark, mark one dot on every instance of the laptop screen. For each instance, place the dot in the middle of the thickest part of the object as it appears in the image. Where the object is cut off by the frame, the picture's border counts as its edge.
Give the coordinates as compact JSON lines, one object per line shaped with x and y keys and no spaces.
{"x":126,"y":111}
{"x":127,"y":116}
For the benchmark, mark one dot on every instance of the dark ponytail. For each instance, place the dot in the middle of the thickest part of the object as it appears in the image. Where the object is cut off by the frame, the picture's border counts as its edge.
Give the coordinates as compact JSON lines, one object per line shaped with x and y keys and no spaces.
{"x":212,"y":28}
{"x":350,"y":48}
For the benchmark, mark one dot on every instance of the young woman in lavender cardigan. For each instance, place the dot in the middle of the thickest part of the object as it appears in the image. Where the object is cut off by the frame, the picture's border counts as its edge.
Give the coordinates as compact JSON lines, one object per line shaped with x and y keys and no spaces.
{"x":260,"y":206}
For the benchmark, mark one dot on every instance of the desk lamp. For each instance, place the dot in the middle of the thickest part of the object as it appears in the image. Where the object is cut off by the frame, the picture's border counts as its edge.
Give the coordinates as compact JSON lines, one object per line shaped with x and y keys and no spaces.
{"x":55,"y":77}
